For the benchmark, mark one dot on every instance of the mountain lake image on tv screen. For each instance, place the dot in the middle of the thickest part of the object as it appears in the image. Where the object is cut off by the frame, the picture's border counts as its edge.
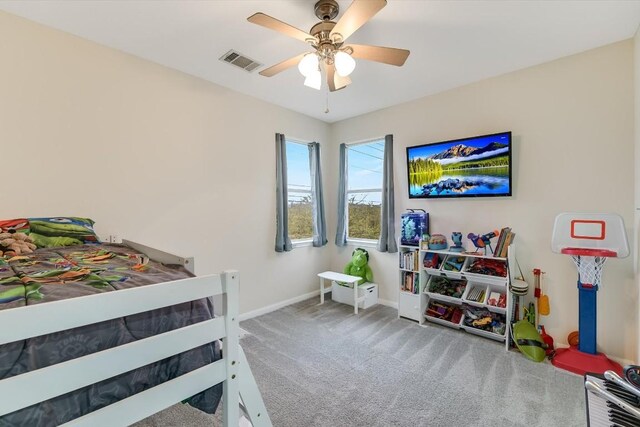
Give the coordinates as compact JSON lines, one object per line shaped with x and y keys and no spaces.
{"x":472,"y":167}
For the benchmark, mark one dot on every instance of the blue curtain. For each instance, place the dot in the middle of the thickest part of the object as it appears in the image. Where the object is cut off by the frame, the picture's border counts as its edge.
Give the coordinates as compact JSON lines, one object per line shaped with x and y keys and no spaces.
{"x":387,"y":240}
{"x":317,"y":197}
{"x":341,"y":232}
{"x":283,"y":243}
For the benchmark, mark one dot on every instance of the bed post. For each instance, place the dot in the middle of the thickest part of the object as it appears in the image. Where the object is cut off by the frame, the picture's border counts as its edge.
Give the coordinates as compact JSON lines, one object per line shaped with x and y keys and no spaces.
{"x":230,"y":349}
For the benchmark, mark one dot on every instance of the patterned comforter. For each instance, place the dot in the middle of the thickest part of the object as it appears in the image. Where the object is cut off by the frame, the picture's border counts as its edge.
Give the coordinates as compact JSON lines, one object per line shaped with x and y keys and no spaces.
{"x":61,"y":273}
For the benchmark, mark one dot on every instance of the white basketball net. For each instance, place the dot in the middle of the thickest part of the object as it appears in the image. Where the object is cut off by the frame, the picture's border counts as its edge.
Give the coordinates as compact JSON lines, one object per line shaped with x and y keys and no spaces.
{"x":589,"y":268}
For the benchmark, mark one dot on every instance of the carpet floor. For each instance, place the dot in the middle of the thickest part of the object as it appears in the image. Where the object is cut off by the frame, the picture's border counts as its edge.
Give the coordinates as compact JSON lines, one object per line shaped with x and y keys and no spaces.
{"x":324,"y":366}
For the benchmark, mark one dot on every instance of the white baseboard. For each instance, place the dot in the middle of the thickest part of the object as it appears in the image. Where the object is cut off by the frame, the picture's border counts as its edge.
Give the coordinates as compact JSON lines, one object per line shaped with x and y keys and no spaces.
{"x":277,"y":306}
{"x":619,"y":360}
{"x":392,"y":304}
{"x":623,"y":362}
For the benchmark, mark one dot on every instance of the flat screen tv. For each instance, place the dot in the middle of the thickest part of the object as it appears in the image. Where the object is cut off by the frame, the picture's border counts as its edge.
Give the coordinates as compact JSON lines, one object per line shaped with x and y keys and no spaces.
{"x":479,"y":166}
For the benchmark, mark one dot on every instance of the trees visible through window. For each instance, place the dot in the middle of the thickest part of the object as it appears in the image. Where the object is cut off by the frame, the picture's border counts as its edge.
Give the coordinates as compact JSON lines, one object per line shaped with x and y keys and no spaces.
{"x":364,"y":189}
{"x":299,"y":189}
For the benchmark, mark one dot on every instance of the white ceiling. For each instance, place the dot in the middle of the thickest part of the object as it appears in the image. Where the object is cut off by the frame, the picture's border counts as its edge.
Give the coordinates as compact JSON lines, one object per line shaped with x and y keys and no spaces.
{"x":452,"y":43}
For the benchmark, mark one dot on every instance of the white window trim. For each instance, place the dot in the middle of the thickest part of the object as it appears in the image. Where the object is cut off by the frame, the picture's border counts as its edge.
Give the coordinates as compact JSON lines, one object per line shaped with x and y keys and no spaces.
{"x":354,"y":241}
{"x":301,"y":243}
{"x":365,"y":141}
{"x":306,"y":241}
{"x":365,"y":243}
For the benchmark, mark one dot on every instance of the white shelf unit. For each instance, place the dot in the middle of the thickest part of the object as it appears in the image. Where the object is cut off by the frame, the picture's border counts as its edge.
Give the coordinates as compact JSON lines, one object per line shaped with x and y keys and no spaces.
{"x":410,"y":298}
{"x":407,"y":303}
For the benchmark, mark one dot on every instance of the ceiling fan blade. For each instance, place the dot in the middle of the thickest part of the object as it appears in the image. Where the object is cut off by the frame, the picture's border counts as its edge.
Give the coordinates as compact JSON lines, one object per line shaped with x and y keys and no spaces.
{"x":386,"y":55}
{"x":275,"y":69}
{"x":334,"y":80}
{"x":358,"y":13}
{"x":277,"y":25}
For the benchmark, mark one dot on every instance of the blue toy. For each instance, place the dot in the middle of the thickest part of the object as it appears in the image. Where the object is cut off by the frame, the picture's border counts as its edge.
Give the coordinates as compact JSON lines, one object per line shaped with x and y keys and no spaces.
{"x":456,"y":236}
{"x":484,"y":241}
{"x":414,"y":226}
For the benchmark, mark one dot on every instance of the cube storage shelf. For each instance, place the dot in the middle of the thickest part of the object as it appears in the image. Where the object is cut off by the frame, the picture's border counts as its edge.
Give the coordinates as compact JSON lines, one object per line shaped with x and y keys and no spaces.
{"x":472,"y":288}
{"x":410,"y":298}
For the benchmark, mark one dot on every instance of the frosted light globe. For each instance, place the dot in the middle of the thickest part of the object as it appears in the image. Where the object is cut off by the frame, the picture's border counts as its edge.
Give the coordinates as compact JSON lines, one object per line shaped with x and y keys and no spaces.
{"x":345,"y":64}
{"x":314,"y":80}
{"x":308,"y":65}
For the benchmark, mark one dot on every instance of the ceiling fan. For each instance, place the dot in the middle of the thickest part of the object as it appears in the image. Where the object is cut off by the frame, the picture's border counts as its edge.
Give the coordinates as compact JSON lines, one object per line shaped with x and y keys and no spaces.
{"x":328,"y":38}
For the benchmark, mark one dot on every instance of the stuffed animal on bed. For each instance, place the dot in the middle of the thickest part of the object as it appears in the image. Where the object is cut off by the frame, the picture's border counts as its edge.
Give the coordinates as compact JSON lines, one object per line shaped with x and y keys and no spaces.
{"x":359,"y":266}
{"x":12,"y":244}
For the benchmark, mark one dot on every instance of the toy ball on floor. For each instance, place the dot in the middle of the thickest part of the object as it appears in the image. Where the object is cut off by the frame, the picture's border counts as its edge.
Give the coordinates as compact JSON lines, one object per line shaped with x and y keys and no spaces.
{"x":573,"y":338}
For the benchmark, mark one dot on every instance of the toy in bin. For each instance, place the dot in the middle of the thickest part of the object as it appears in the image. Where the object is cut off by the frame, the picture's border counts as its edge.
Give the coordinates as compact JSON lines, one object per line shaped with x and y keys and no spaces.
{"x":483,"y":319}
{"x":450,"y":287}
{"x":414,"y":226}
{"x":453,"y":263}
{"x":497,"y":299}
{"x":431,"y":260}
{"x":450,"y":313}
{"x":488,"y":267}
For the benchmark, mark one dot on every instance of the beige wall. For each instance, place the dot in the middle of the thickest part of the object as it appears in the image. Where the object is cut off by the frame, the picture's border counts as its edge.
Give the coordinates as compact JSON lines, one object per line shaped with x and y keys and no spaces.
{"x":158,"y":156}
{"x":151,"y":154}
{"x":572,"y":123}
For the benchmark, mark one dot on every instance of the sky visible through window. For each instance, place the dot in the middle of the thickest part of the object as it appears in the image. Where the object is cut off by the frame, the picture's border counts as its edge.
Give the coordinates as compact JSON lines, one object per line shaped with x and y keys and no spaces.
{"x":299,"y":191}
{"x":365,"y":169}
{"x":298,"y":174}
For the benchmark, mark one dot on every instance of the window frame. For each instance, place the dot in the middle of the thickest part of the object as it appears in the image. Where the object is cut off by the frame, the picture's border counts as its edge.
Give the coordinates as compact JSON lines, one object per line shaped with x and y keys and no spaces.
{"x":355,"y":241}
{"x":298,"y":243}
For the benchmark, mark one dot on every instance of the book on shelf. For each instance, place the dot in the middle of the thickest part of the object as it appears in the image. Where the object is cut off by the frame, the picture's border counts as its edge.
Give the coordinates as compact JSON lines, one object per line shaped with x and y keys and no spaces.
{"x":501,"y":238}
{"x":509,"y":241}
{"x":409,"y":260}
{"x":504,"y":240}
{"x":410,"y":282}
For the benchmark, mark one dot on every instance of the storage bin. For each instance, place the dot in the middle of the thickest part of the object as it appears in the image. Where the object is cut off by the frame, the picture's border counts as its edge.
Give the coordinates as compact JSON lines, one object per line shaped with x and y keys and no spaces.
{"x":344,"y":294}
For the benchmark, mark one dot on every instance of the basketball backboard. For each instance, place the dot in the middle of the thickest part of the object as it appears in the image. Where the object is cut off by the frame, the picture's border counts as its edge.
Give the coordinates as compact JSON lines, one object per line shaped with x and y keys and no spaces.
{"x":603,"y":233}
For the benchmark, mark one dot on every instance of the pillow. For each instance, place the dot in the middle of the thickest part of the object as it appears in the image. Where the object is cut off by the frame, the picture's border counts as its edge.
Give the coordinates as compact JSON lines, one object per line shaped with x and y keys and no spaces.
{"x":20,"y":225}
{"x":47,"y":231}
{"x":53,"y":241}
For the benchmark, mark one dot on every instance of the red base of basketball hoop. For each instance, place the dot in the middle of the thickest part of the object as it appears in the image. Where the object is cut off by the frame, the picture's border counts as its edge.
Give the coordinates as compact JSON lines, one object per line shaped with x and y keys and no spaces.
{"x":590,"y":239}
{"x":578,"y":362}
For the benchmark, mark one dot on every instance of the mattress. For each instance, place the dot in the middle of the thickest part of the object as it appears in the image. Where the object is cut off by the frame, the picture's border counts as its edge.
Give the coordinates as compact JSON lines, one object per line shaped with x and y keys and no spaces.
{"x":61,"y":273}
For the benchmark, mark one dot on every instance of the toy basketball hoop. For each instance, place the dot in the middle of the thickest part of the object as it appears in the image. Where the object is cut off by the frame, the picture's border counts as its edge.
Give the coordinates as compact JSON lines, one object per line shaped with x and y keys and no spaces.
{"x":590,"y":240}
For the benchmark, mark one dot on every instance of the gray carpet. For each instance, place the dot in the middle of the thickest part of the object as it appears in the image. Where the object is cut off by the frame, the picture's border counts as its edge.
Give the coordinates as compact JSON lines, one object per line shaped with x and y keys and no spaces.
{"x":324,"y":366}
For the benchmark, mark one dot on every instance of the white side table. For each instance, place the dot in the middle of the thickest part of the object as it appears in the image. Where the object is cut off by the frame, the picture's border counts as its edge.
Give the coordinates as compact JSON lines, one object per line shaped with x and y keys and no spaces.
{"x":339,"y":277}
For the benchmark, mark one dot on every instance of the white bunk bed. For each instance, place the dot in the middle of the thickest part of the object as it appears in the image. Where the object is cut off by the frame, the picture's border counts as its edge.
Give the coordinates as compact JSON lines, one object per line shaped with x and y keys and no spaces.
{"x":239,"y":388}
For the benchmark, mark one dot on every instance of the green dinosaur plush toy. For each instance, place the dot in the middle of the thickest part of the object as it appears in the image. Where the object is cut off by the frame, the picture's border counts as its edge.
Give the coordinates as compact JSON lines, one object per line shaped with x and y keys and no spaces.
{"x":359,"y":266}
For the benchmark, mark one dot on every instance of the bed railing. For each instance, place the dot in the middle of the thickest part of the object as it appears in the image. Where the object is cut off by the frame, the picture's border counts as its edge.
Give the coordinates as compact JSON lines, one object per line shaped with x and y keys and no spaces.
{"x":232,"y":370}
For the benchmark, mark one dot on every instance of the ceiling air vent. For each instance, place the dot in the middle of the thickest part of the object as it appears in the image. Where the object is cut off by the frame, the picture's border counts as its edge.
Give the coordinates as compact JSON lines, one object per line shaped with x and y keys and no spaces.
{"x":239,"y":60}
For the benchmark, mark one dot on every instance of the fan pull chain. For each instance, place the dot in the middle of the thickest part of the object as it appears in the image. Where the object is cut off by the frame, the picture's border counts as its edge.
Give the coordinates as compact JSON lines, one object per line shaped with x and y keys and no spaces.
{"x":326,"y":92}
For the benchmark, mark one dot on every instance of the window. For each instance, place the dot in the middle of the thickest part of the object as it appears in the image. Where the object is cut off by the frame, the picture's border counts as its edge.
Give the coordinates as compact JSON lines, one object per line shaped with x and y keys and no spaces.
{"x":299,"y":191}
{"x":364,"y":189}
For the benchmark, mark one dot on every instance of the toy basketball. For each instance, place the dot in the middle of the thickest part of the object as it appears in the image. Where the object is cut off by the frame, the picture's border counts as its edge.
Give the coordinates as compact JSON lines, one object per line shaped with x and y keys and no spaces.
{"x":574,"y":338}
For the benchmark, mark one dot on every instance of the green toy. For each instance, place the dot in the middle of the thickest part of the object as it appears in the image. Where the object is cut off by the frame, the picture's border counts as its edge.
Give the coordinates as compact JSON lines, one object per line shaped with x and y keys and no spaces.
{"x":359,"y":266}
{"x":528,"y":341}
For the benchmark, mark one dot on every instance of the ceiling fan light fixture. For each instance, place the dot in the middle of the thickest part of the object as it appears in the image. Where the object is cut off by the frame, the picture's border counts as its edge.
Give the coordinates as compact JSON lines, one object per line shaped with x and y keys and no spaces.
{"x":308,"y":65}
{"x":314,"y":80}
{"x":345,"y":64}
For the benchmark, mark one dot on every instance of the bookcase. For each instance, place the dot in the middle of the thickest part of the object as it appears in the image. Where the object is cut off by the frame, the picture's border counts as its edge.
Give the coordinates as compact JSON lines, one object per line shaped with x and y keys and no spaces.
{"x":467,"y":291}
{"x":410,"y":293}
